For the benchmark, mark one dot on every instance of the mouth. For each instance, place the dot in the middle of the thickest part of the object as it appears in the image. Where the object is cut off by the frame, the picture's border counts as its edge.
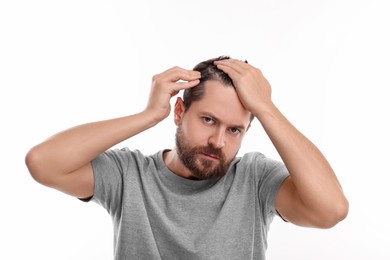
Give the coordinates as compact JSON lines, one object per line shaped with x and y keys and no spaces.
{"x":211,"y":156}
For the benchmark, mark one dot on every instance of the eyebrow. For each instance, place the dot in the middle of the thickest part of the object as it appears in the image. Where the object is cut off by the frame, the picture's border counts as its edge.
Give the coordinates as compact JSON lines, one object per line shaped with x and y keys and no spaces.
{"x":238,"y":126}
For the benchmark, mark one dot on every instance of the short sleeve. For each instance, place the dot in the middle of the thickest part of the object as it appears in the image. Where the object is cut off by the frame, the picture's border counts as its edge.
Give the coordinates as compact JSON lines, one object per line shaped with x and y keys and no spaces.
{"x":108,"y":170}
{"x":273,"y":175}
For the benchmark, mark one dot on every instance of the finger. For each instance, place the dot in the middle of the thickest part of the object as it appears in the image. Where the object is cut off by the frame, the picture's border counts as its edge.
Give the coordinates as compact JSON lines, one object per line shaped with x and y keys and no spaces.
{"x":232,"y":71}
{"x":237,"y":65}
{"x":185,"y":84}
{"x":176,"y":73}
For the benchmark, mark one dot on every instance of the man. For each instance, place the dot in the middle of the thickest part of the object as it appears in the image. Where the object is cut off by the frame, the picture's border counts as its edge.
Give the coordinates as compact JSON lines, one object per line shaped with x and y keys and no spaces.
{"x":197,"y":200}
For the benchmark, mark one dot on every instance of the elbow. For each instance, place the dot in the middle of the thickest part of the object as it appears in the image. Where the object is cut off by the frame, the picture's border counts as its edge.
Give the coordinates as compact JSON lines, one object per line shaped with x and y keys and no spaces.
{"x":35,"y":165}
{"x":336,"y":214}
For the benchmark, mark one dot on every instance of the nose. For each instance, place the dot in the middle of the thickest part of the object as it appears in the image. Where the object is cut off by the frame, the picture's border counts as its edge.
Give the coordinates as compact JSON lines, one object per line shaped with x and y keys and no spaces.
{"x":217,"y":139}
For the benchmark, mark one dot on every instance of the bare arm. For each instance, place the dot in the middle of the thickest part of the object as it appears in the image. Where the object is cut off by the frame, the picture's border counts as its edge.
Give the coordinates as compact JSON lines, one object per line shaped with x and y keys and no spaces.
{"x":63,"y":161}
{"x":312,"y":195}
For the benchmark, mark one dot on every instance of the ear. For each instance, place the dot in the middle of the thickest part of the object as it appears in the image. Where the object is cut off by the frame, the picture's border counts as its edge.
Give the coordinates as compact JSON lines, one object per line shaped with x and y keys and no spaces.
{"x":178,"y":111}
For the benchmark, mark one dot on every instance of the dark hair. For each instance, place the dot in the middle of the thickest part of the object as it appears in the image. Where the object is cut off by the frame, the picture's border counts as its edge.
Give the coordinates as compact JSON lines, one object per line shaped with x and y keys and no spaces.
{"x":208,"y":72}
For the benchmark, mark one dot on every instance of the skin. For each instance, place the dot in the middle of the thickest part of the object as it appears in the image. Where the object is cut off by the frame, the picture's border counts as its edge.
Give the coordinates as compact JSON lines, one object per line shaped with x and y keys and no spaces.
{"x":311,"y":196}
{"x":219,"y":120}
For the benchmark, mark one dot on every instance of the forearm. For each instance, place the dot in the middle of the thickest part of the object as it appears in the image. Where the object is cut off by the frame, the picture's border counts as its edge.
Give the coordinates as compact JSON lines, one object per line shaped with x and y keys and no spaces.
{"x":71,"y":149}
{"x":312,"y":194}
{"x":313,"y":177}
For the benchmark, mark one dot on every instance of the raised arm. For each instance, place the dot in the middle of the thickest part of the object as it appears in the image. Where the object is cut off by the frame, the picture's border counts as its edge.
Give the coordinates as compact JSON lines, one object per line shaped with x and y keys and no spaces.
{"x":63,"y":161}
{"x":311,"y":195}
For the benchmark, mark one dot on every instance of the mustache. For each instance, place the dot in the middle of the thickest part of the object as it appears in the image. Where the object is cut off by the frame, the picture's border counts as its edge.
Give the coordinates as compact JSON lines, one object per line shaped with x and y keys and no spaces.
{"x":211,"y":150}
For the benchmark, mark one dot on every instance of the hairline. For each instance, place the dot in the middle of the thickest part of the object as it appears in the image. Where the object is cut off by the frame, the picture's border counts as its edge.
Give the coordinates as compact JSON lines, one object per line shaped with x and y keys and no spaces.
{"x":203,"y":92}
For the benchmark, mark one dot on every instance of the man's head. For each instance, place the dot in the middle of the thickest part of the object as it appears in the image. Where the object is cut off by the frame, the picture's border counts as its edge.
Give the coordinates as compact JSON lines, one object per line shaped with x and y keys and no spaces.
{"x":208,"y":72}
{"x":211,"y":123}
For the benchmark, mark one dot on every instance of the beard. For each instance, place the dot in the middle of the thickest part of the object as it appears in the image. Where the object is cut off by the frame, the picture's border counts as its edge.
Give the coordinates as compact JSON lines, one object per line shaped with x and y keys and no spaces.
{"x":200,"y":167}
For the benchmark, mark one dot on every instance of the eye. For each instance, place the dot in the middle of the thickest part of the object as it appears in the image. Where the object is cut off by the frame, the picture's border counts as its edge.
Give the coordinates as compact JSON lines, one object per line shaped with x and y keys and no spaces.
{"x":235,"y":130}
{"x":208,"y":120}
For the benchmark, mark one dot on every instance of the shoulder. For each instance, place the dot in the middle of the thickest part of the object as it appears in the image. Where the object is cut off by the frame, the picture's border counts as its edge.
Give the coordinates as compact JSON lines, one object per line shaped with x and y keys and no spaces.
{"x":125,"y":154}
{"x":250,"y":156}
{"x":125,"y":158}
{"x":257,"y":159}
{"x":258,"y":164}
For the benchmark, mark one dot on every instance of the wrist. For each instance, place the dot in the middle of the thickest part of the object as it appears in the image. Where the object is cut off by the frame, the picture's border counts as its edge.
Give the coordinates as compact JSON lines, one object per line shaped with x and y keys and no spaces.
{"x":154,"y":117}
{"x":265,"y":109}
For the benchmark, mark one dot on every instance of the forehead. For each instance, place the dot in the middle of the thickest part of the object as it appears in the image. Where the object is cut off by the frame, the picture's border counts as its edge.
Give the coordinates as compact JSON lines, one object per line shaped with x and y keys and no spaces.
{"x":222,"y":102}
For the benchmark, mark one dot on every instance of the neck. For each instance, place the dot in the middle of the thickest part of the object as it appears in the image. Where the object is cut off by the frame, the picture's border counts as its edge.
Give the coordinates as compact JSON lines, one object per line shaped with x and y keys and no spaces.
{"x":174,"y":164}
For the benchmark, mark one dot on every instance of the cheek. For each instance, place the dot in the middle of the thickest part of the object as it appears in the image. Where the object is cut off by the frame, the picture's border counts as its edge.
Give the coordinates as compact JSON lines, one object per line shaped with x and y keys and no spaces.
{"x":231,"y":148}
{"x":195,"y":134}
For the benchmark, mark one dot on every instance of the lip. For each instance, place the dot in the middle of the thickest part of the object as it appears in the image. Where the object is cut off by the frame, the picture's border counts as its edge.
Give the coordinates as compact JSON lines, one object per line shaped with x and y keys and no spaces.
{"x":211,"y":156}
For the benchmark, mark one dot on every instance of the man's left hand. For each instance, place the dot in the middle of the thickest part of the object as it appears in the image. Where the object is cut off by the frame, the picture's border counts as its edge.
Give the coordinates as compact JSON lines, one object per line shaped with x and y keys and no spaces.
{"x":252,"y":87}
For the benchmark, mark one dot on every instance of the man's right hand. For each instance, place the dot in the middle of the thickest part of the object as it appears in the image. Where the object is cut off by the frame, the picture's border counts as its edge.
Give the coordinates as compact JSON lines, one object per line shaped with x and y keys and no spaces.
{"x":166,"y":85}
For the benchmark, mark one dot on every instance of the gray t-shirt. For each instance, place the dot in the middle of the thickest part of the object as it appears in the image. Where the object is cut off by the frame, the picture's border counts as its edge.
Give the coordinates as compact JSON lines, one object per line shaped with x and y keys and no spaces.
{"x":159,"y":215}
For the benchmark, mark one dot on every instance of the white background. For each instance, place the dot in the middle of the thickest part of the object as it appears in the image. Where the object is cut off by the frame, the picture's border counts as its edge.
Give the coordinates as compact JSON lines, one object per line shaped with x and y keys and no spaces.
{"x":64,"y":63}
